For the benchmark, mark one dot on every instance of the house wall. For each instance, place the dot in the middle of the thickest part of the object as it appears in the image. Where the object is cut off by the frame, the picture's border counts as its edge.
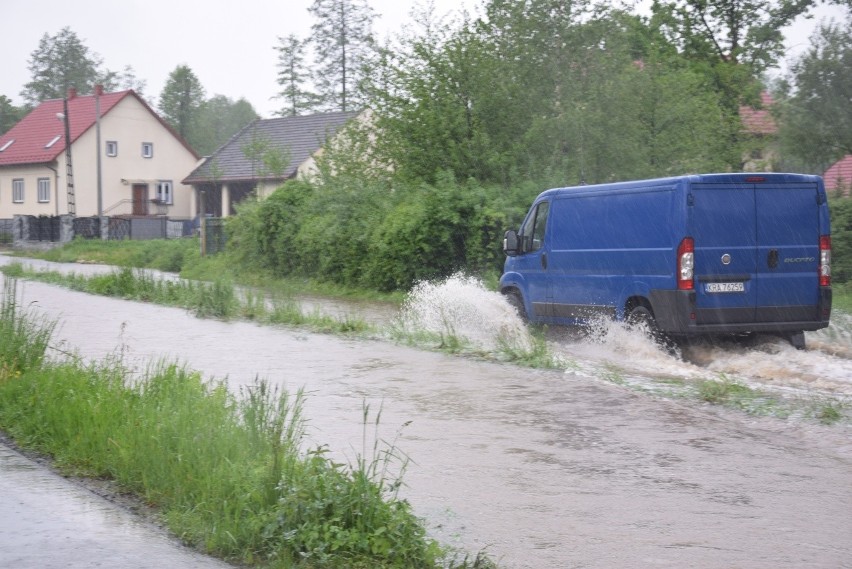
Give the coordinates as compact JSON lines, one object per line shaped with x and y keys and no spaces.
{"x":129,"y":124}
{"x":30,"y":176}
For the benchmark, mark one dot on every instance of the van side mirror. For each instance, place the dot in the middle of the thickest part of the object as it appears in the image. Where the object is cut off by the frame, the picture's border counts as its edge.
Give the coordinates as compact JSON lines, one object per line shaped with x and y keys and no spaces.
{"x":511,"y":243}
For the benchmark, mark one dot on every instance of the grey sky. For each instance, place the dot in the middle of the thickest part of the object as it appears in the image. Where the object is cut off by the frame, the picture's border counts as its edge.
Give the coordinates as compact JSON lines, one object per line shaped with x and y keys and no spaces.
{"x":228,"y":44}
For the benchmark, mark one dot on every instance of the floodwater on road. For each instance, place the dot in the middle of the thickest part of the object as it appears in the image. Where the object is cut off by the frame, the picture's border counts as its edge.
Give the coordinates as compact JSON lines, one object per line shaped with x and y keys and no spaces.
{"x":540,"y":468}
{"x":48,"y":522}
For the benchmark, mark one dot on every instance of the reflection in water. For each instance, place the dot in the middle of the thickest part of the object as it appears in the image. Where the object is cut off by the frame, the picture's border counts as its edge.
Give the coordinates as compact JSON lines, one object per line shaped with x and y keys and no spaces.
{"x":539,"y":468}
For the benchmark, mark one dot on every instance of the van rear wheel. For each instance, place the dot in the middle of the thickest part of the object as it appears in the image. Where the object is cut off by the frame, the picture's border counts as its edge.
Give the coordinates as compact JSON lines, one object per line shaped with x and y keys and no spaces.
{"x":641,"y":317}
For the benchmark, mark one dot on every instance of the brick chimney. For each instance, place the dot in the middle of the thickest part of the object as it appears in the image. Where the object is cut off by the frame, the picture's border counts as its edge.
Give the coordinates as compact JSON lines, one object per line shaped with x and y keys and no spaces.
{"x":99,"y":90}
{"x":72,"y":92}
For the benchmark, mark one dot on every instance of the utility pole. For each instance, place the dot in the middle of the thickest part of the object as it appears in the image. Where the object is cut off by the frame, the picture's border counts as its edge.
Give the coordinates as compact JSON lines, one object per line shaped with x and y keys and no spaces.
{"x":69,"y":169}
{"x":98,"y":92}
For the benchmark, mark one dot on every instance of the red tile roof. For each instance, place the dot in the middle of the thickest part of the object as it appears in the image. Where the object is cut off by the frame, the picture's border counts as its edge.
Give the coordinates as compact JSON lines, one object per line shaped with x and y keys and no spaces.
{"x":839,"y":175}
{"x":759,"y":121}
{"x":32,"y":135}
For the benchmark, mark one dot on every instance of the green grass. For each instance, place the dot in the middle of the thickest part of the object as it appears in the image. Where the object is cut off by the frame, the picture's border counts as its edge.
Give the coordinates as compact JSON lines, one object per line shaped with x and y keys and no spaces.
{"x":217,"y":299}
{"x":842,"y":297}
{"x":183,"y":256}
{"x":226,"y":470}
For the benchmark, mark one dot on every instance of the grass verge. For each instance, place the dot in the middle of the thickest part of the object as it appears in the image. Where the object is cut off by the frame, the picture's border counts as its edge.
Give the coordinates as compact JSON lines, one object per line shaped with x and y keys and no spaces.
{"x":218,"y":299}
{"x":226,"y":471}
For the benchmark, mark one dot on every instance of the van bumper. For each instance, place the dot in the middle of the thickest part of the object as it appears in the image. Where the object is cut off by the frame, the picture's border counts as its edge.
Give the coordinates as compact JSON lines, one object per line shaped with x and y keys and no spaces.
{"x":676,"y":313}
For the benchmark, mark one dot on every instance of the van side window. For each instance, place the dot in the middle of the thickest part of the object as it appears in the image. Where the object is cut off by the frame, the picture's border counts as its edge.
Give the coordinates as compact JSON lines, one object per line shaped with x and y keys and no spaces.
{"x":532,"y":231}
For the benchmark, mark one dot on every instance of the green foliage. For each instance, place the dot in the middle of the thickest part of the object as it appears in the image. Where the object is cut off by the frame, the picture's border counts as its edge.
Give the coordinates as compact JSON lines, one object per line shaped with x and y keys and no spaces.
{"x":816,"y":121}
{"x":9,"y":117}
{"x":23,"y":336}
{"x":293,"y":73}
{"x":218,"y":119}
{"x":161,"y":254}
{"x":841,"y":240}
{"x":341,"y":36}
{"x":356,"y":231}
{"x":181,"y":101}
{"x":61,"y":61}
{"x":556,"y":94}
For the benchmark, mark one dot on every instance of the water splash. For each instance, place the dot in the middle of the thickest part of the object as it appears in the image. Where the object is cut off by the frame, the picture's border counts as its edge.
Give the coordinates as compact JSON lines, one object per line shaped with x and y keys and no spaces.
{"x":462,"y":307}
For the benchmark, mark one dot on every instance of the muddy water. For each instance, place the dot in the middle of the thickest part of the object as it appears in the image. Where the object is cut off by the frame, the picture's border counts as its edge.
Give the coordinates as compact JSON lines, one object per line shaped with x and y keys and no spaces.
{"x":539,"y":468}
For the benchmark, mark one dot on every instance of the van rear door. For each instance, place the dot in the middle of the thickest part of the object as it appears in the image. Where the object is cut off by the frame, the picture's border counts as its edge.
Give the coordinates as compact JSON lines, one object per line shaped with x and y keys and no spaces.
{"x":788,"y":252}
{"x":756,"y":251}
{"x":723,"y":227}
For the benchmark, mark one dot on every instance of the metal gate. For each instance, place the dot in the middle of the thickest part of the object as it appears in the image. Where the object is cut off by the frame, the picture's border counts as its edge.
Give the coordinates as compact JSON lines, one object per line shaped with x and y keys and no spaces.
{"x":87,"y":227}
{"x":44,"y":228}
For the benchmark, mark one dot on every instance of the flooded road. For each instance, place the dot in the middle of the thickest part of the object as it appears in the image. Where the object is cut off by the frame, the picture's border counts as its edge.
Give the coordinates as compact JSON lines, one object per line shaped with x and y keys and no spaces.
{"x":48,"y":522}
{"x":541,"y":469}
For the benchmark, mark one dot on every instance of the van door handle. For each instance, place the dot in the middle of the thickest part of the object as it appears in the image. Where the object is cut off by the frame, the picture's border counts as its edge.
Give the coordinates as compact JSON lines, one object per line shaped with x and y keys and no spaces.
{"x":544,"y":261}
{"x":772,"y":259}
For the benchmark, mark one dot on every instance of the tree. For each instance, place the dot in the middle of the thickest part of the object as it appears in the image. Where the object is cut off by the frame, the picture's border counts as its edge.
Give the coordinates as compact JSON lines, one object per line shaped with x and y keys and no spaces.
{"x":746,"y":32}
{"x":341,"y":37}
{"x":181,"y":101}
{"x":816,"y":125}
{"x":9,"y":114}
{"x":218,"y":120}
{"x":126,"y":79}
{"x":60,"y":62}
{"x":292,"y":76}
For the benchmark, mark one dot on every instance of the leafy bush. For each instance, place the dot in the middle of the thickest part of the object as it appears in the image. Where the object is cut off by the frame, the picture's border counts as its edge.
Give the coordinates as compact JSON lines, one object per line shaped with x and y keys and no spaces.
{"x":841,"y":239}
{"x":363,"y":232}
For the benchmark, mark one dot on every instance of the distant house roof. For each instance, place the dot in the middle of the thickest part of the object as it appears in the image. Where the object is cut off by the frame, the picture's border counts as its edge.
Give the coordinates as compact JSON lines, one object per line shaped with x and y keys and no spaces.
{"x":40,"y":136}
{"x":839,"y":175}
{"x":299,"y":136}
{"x":759,"y":121}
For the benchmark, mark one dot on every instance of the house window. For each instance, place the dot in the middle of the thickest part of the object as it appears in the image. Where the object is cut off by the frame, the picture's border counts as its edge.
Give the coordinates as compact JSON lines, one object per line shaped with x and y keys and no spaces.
{"x":164,"y":192}
{"x":147,"y":150}
{"x":18,"y":191}
{"x":111,"y":148}
{"x":43,"y":190}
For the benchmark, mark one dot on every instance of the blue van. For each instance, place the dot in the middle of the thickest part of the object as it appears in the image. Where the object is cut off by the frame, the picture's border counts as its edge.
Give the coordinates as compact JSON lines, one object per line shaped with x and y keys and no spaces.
{"x":692,"y":255}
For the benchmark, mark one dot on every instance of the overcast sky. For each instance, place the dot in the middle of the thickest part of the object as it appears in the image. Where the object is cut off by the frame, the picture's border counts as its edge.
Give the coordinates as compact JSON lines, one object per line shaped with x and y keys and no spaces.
{"x":227,"y":43}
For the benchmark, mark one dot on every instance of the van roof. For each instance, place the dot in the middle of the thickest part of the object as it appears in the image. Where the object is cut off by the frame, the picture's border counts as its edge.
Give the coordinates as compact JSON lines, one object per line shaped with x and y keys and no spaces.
{"x":717,"y":178}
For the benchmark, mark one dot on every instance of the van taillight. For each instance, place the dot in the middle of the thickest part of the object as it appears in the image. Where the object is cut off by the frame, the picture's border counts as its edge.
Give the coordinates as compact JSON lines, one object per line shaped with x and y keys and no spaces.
{"x":825,"y":260}
{"x":686,"y":264}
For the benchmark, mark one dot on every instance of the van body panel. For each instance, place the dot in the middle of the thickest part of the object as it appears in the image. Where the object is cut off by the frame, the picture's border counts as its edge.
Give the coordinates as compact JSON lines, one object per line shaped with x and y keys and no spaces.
{"x":609,"y":247}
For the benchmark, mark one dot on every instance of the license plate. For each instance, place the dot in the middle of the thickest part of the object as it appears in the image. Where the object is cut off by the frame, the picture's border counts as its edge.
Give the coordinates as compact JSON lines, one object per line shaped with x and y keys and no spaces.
{"x":724,"y":287}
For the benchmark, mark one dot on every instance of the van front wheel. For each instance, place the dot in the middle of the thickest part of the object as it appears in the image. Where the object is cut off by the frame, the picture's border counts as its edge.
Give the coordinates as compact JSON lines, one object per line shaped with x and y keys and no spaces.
{"x":515,"y":301}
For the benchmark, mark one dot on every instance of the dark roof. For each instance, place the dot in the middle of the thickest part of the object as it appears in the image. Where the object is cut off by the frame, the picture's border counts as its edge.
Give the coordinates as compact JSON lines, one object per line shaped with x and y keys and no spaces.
{"x":28,"y":142}
{"x":299,"y":136}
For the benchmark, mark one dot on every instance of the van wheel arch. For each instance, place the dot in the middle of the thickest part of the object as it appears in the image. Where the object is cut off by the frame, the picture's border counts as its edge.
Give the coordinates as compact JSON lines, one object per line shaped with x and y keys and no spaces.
{"x":516,"y":300}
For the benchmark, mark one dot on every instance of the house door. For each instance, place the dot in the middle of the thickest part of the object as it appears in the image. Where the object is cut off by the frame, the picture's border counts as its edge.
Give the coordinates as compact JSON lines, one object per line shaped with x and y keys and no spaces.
{"x":140,"y":199}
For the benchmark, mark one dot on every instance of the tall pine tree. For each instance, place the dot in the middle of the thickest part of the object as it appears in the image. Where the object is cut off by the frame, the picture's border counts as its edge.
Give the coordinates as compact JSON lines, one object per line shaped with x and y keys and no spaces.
{"x":292,"y":76}
{"x":341,"y":37}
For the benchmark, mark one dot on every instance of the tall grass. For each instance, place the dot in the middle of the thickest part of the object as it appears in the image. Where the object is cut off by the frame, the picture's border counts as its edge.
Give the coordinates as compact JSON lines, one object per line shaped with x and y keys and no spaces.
{"x":217,"y":299}
{"x":226,"y":470}
{"x":23,"y":336}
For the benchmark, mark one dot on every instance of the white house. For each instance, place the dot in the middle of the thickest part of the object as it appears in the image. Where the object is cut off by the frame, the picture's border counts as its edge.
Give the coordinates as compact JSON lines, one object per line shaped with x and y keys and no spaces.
{"x":135,"y":169}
